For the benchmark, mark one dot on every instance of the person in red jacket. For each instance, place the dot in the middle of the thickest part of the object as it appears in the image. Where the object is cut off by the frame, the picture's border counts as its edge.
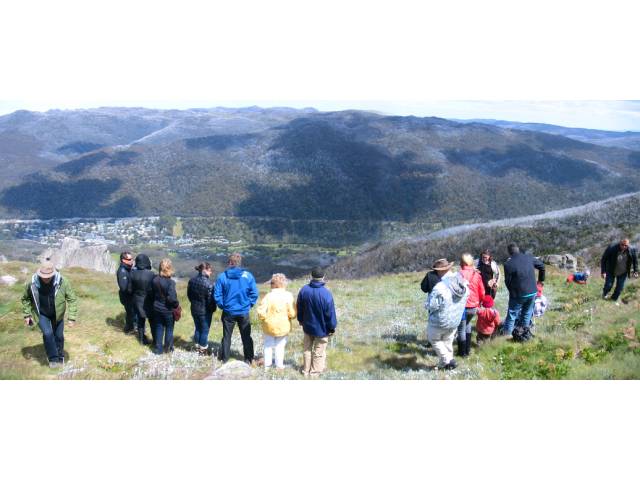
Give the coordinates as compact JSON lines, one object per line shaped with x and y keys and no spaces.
{"x":476,"y":293}
{"x":488,"y":320}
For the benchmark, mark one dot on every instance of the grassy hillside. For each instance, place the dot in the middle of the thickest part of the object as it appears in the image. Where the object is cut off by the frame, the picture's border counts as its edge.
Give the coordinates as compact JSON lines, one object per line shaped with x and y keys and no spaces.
{"x":381,"y":335}
{"x":334,"y":166}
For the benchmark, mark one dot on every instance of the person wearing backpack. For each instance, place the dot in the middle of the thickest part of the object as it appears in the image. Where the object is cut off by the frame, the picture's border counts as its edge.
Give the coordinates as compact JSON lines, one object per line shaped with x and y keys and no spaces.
{"x":46,"y":299}
{"x":235,"y":293}
{"x":199,"y":292}
{"x":123,"y":277}
{"x":165,"y":302}
{"x":141,"y":279}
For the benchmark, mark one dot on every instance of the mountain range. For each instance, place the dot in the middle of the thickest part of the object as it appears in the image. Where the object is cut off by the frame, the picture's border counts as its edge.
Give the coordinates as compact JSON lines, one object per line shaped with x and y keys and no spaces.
{"x":295,"y":164}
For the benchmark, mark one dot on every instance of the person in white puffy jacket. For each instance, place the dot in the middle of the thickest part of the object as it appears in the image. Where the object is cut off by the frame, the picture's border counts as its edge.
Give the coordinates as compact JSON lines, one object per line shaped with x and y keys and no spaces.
{"x":446,"y":306}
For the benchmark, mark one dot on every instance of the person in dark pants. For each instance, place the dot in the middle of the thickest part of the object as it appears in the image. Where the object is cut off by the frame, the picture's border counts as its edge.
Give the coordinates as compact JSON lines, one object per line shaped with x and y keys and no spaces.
{"x":142,"y":292}
{"x":490,"y":272}
{"x":439,"y":269}
{"x":199,"y":292}
{"x":235,"y":293}
{"x":123,"y":276}
{"x":520,"y":280}
{"x":46,"y":299}
{"x":164,"y":303}
{"x":615,"y":266}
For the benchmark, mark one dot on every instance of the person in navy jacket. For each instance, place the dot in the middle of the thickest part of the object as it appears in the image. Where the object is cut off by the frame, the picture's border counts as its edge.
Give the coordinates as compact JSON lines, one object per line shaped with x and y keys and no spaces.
{"x":235,"y":293}
{"x":520,"y":280}
{"x":317,"y":316}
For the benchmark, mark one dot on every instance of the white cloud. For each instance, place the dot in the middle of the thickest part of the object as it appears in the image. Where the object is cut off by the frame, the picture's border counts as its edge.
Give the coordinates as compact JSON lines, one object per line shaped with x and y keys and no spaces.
{"x":390,"y":55}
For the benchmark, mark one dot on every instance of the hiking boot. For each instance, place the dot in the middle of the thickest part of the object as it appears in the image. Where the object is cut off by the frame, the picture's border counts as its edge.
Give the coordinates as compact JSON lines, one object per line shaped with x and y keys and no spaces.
{"x":451,"y":365}
{"x":128,"y":330}
{"x":462,"y":348}
{"x":56,"y":364}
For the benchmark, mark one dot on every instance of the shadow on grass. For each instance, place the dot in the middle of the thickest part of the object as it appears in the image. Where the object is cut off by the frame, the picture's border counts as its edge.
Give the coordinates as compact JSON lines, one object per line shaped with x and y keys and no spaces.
{"x":38,"y":353}
{"x":116,"y":323}
{"x":188,"y":345}
{"x":402,"y":362}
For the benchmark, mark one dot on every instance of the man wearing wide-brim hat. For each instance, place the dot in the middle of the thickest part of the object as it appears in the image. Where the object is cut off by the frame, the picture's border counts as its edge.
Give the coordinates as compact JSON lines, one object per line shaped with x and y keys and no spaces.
{"x":45,"y":301}
{"x":438,"y":270}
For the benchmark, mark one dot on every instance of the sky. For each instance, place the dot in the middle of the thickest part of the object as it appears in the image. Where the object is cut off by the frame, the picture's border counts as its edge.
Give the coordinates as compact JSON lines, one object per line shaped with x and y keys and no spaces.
{"x":567,"y":63}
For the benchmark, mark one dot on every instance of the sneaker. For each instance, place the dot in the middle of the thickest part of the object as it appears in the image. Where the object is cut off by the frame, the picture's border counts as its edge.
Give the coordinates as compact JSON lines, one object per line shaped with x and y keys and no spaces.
{"x":56,"y":364}
{"x":451,"y":365}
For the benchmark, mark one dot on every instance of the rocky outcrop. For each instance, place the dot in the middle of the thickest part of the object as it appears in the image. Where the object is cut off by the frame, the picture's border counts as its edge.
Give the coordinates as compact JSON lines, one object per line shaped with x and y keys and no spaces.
{"x":566,"y":261}
{"x":73,"y":254}
{"x":231,"y":370}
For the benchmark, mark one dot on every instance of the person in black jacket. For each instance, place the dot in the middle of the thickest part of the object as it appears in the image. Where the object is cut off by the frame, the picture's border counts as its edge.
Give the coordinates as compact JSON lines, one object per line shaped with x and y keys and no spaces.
{"x":123,"y":276}
{"x":164,"y":303}
{"x":142,"y":291}
{"x":439,"y":268}
{"x":520,"y":279}
{"x":199,"y":292}
{"x":615,"y":266}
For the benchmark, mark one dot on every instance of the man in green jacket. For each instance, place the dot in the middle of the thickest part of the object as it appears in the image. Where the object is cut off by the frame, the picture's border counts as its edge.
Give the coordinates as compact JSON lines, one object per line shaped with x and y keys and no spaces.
{"x":45,"y":301}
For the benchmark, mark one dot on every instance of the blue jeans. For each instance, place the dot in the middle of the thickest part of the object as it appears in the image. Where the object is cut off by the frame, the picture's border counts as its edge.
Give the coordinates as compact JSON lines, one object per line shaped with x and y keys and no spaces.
{"x":519,"y":313}
{"x":53,"y":338}
{"x":608,"y":284}
{"x":163,"y":323}
{"x":203,"y":324}
{"x":464,"y":327}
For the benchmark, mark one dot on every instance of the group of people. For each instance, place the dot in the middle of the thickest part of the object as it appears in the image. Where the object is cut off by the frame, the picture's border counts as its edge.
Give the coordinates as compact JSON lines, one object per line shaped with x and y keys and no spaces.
{"x":453,"y":301}
{"x":145,"y":295}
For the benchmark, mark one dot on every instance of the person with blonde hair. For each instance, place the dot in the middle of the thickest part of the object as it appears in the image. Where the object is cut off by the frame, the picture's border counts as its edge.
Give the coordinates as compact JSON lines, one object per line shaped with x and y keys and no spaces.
{"x":276,"y":311}
{"x":164,"y":304}
{"x":476,"y":294}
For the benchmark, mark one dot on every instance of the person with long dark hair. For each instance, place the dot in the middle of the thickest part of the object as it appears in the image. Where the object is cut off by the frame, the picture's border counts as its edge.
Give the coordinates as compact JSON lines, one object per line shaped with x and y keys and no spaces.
{"x":165,"y":301}
{"x":199,"y":292}
{"x":490,"y":272}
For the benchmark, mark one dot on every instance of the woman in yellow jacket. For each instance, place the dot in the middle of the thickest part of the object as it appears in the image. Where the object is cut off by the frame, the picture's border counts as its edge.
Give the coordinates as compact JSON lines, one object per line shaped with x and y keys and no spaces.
{"x":276,"y":311}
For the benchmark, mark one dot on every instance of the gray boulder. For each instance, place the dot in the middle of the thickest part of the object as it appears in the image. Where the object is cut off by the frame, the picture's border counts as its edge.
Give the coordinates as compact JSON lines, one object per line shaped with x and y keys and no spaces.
{"x":566,"y":261}
{"x":231,"y":370}
{"x":72,"y":253}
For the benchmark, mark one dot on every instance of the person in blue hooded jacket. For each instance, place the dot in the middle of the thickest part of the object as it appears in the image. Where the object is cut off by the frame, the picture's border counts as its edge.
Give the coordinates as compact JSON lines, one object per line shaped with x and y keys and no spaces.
{"x":235,"y":293}
{"x":317,"y":316}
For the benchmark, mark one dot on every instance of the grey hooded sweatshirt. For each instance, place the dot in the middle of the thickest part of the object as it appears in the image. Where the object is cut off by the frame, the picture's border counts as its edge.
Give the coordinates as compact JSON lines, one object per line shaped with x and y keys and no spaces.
{"x":447,"y":300}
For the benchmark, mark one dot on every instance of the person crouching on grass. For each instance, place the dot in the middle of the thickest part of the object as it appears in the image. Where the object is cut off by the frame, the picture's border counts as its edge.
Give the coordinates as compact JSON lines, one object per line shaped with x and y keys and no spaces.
{"x":275,"y":312}
{"x":488,"y":320}
{"x":46,"y":298}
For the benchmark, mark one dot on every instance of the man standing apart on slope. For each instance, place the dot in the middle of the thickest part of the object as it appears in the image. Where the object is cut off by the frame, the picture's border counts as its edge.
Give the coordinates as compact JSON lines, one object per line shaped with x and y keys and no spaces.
{"x":520,"y":279}
{"x":615,"y":266}
{"x":45,"y":301}
{"x":123,"y":275}
{"x":317,"y":316}
{"x":235,"y":293}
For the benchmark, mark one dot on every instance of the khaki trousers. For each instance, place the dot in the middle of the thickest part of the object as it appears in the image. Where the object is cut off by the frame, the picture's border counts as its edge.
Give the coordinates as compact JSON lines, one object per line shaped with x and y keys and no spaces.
{"x":314,"y":354}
